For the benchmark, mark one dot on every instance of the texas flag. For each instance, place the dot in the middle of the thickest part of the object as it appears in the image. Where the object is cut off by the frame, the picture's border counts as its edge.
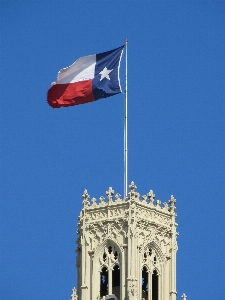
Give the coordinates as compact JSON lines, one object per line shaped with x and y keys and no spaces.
{"x":88,"y":79}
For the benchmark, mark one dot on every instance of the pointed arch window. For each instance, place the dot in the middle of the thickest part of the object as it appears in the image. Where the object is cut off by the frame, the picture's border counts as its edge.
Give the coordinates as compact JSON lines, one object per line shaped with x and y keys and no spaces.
{"x":150,"y":273}
{"x":110,"y":261}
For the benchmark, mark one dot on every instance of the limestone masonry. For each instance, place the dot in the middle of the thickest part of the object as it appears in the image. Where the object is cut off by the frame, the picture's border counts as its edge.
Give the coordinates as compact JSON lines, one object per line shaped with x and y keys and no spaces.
{"x":126,"y":248}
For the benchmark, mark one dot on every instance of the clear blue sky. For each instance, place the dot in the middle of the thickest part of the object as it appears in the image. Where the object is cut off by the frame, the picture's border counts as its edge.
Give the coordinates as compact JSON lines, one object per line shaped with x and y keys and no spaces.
{"x":176,"y":91}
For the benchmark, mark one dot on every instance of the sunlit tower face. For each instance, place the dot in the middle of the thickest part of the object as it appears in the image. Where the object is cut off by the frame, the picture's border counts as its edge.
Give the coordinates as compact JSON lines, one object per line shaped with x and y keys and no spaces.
{"x":127,"y":247}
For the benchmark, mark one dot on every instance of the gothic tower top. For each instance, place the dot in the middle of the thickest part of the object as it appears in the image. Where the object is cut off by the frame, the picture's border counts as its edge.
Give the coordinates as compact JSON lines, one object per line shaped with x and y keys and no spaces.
{"x":126,"y":248}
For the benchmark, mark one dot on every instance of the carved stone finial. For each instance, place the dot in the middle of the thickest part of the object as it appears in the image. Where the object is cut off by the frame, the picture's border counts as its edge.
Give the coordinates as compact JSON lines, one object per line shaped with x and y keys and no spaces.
{"x":86,"y":197}
{"x":102,"y":201}
{"x":118,"y":197}
{"x":151,"y":197}
{"x":184,"y":297}
{"x":158,"y":202}
{"x":172,"y":202}
{"x":94,"y":202}
{"x":144,"y":199}
{"x":165,"y":206}
{"x":74,"y":294}
{"x":132,"y":187}
{"x":110,"y":194}
{"x":133,"y":195}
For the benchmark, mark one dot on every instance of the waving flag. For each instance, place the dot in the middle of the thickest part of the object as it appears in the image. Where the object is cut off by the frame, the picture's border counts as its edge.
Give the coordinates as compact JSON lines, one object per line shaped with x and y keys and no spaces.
{"x":88,"y":79}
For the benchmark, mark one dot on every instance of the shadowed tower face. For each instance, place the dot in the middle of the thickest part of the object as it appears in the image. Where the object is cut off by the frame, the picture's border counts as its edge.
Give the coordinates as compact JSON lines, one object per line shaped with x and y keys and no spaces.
{"x":126,"y":248}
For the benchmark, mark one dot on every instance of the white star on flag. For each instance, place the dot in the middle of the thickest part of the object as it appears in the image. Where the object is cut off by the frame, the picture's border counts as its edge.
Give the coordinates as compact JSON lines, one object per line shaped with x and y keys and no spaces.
{"x":105,"y":73}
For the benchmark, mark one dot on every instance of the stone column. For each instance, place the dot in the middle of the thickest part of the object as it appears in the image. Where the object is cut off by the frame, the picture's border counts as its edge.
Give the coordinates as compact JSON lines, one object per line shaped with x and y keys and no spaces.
{"x":91,"y":253}
{"x":84,"y":252}
{"x":160,"y":286}
{"x":123,"y":273}
{"x":149,"y":285}
{"x":172,"y":208}
{"x":132,"y":280}
{"x":166,"y":277}
{"x":110,"y":281}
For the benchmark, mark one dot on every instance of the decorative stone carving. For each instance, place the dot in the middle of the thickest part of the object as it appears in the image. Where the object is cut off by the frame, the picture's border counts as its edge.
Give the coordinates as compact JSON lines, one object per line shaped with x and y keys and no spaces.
{"x":133,"y":195}
{"x":85,"y":196}
{"x":139,"y":233}
{"x":132,"y":187}
{"x":132,"y":288}
{"x":144,"y":199}
{"x":158,"y":202}
{"x":151,"y":259}
{"x":102,"y":201}
{"x":165,"y":206}
{"x":109,"y":257}
{"x":94,"y":203}
{"x":172,"y":202}
{"x":184,"y":297}
{"x":110,"y":194}
{"x":151,"y":197}
{"x":118,"y":199}
{"x":74,"y":294}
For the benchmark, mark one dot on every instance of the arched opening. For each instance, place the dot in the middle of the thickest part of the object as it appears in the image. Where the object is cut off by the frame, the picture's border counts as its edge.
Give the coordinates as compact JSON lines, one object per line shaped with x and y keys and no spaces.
{"x":104,"y":282}
{"x":116,"y":282}
{"x":145,"y":283}
{"x":155,"y":285}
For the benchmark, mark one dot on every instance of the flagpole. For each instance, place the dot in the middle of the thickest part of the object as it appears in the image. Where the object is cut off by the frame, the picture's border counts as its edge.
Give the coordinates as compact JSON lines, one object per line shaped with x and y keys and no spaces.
{"x":125,"y":130}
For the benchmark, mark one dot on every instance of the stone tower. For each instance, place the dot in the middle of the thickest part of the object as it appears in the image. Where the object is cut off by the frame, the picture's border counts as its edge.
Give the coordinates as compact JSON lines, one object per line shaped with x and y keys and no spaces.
{"x":127,"y":248}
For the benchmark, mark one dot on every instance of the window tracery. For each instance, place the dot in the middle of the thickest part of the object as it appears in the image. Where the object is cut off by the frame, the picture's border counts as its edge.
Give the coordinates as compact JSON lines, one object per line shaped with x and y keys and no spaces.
{"x":150,"y":259}
{"x":109,"y":267}
{"x":110,"y":257}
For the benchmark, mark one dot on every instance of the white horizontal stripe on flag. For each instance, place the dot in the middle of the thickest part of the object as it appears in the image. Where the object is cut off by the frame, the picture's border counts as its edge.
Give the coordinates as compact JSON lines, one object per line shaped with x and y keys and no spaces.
{"x":82,"y":69}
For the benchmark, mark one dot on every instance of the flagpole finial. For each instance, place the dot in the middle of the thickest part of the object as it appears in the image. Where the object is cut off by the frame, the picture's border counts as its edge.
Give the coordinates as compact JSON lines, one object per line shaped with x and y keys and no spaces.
{"x":126,"y":40}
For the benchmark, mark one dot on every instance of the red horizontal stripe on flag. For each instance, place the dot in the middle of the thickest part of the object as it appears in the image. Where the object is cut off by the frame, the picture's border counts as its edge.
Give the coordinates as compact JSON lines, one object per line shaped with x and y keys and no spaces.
{"x":70,"y":94}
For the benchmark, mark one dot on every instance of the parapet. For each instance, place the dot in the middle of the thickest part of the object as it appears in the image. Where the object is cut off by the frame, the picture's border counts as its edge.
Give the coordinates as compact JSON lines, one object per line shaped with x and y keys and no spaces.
{"x":145,"y":201}
{"x":139,"y":211}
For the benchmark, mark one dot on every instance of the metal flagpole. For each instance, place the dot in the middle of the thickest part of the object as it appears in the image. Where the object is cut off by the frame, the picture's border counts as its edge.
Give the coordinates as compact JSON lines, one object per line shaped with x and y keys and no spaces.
{"x":125,"y":131}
